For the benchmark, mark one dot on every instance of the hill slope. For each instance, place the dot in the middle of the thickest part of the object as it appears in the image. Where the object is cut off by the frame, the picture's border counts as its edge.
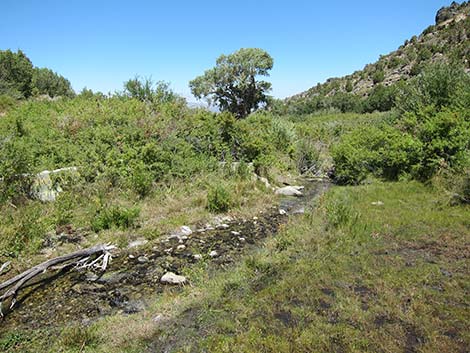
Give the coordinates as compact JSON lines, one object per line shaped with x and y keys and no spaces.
{"x":448,"y":40}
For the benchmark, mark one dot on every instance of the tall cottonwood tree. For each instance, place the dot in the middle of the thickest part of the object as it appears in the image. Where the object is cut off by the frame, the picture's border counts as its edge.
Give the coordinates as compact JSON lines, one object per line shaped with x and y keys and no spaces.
{"x":233,"y":85}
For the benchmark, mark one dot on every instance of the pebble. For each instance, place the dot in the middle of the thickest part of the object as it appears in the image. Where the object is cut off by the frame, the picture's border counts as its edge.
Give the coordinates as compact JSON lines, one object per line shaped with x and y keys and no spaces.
{"x":142,"y":259}
{"x":197,"y":257}
{"x":131,"y":256}
{"x":282,"y":212}
{"x":242,"y":239}
{"x":185,"y":230}
{"x":224,"y":226}
{"x":235,"y":233}
{"x":213,"y":254}
{"x":181,"y":247}
{"x":136,"y":243}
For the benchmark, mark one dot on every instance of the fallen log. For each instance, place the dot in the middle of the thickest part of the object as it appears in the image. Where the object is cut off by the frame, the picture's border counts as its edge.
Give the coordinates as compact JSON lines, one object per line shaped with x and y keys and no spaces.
{"x":80,"y":259}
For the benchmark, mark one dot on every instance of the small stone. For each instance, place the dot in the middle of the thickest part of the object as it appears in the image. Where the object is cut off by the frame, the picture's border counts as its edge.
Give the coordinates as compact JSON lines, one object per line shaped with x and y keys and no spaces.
{"x":213,"y":254}
{"x":180,"y":241}
{"x":282,"y":212}
{"x":224,"y":226}
{"x":91,"y":277}
{"x":131,"y":256}
{"x":136,"y":243}
{"x":169,"y":250}
{"x":158,"y":318}
{"x":142,"y":259}
{"x":289,"y":191}
{"x":377,"y":203}
{"x":181,"y":247}
{"x":235,"y":233}
{"x":172,"y":278}
{"x":197,"y":257}
{"x":255,"y":218}
{"x":185,"y":230}
{"x":242,"y":239}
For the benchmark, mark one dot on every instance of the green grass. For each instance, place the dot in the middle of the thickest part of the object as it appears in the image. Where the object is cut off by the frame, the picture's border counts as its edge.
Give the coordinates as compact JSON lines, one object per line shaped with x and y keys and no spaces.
{"x":375,"y":268}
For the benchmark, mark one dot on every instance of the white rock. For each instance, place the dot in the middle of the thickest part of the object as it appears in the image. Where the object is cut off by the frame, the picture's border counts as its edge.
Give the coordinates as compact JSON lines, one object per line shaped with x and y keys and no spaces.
{"x":242,"y":239}
{"x":136,"y":243}
{"x":171,"y":278}
{"x":142,"y":259}
{"x":289,"y":191}
{"x":197,"y":257}
{"x":213,"y":253}
{"x":181,"y":247}
{"x":282,"y":212}
{"x":377,"y":203}
{"x":223,"y":226}
{"x":185,"y":230}
{"x":131,"y":256}
{"x":255,"y":218}
{"x":235,"y":233}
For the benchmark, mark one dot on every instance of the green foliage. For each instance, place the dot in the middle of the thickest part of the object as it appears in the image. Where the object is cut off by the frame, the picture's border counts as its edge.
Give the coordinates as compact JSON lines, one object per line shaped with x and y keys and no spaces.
{"x":141,"y":180}
{"x":384,"y":152}
{"x":440,"y":85}
{"x":6,"y":103}
{"x":233,"y":85}
{"x":146,"y":90}
{"x":378,"y":76}
{"x":108,"y":217}
{"x":46,"y":81}
{"x":16,"y":72}
{"x":219,"y":198}
{"x":382,"y":99}
{"x":16,"y":161}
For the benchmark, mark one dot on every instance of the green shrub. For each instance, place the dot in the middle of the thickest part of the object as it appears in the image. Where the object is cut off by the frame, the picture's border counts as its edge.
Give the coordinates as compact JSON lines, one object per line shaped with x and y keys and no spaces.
{"x":380,"y":151}
{"x":141,"y":180}
{"x":439,"y":85}
{"x":381,"y":98}
{"x":219,"y":199}
{"x":378,"y":76}
{"x":115,"y":217}
{"x":6,"y":103}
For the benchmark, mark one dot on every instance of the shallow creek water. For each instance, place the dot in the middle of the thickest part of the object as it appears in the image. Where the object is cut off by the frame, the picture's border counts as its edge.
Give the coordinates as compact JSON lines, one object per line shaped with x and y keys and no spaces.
{"x":133,"y":277}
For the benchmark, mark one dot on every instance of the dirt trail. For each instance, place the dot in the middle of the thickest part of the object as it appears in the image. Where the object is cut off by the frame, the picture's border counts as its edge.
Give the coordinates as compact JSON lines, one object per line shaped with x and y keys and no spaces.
{"x":134,"y":275}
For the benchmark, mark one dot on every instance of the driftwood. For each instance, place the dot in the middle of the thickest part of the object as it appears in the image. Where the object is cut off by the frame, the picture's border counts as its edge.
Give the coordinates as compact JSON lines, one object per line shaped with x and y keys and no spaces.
{"x":80,"y":259}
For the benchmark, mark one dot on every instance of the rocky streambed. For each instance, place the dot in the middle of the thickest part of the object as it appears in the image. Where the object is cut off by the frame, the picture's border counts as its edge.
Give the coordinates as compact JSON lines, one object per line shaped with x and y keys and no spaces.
{"x":135,"y":275}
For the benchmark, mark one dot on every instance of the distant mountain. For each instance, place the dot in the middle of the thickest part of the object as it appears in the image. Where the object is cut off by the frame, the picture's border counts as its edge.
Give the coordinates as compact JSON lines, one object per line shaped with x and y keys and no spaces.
{"x":447,"y":40}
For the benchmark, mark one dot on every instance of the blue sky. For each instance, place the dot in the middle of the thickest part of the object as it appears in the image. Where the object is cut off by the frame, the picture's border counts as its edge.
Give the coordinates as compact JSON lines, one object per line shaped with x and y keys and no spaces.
{"x":100,"y":44}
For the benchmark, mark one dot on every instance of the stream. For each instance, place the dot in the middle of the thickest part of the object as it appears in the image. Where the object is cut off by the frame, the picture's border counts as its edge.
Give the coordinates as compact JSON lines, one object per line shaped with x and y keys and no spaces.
{"x":133,"y":277}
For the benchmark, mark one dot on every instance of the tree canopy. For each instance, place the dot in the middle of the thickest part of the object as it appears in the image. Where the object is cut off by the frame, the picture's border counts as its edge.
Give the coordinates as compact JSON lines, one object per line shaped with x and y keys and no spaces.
{"x":16,"y":72}
{"x":46,"y":81}
{"x":232,"y":84}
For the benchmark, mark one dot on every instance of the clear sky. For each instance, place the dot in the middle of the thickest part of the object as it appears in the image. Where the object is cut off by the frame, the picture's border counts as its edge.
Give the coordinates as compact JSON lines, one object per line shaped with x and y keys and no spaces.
{"x":101,"y":43}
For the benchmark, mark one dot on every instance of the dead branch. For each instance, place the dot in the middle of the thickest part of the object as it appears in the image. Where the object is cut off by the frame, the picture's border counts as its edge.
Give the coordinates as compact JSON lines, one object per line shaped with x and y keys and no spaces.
{"x":78,"y":259}
{"x":4,"y":266}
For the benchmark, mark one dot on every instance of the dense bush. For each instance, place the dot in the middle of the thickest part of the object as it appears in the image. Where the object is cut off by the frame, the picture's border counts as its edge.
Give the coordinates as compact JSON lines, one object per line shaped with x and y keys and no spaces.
{"x":384,"y":152}
{"x":108,"y":217}
{"x":16,"y":72}
{"x":219,"y":198}
{"x":47,"y":82}
{"x":431,"y":133}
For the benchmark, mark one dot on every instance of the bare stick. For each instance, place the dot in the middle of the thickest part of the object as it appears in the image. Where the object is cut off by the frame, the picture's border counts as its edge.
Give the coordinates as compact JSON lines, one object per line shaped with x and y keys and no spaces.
{"x":79,"y":258}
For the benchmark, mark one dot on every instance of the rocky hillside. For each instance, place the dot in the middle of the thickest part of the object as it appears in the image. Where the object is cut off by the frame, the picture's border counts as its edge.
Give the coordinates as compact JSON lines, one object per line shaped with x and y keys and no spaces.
{"x":447,"y":40}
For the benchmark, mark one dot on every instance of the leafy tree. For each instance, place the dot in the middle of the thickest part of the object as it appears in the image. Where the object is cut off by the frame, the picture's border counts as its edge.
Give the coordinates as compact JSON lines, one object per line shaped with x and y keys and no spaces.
{"x":16,"y":72}
{"x":46,"y":81}
{"x":232,"y":84}
{"x":146,"y":90}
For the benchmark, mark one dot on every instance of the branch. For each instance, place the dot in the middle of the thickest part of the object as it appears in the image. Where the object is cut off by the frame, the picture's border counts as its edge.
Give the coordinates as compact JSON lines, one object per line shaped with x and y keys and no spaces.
{"x":78,"y":258}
